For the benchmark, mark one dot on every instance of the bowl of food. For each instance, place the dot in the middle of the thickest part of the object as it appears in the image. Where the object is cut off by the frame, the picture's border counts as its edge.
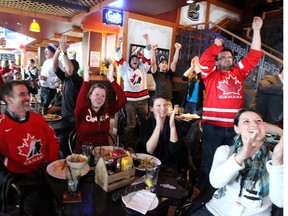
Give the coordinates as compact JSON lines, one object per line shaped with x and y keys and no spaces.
{"x":76,"y":161}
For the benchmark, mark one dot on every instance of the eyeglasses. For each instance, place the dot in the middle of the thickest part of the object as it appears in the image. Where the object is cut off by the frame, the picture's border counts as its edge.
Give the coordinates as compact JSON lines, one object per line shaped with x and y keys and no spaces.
{"x":223,"y":58}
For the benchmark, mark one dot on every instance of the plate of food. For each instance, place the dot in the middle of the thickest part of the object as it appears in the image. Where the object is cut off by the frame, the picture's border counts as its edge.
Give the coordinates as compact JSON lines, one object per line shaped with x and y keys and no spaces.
{"x":58,"y":168}
{"x":52,"y":117}
{"x":144,"y":161}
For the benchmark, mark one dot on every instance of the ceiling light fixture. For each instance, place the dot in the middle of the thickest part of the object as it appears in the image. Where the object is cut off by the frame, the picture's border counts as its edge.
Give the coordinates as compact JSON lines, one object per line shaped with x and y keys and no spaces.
{"x":21,"y":47}
{"x":34,"y":26}
{"x":189,"y":1}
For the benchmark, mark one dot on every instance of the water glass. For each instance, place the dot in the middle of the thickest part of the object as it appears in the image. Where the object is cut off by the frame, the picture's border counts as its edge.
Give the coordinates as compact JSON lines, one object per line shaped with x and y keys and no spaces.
{"x":72,"y":177}
{"x":151,"y":177}
{"x":87,"y":149}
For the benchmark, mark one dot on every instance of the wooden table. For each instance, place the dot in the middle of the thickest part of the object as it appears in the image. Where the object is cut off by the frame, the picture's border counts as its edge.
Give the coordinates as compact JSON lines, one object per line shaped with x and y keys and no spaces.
{"x":95,"y":201}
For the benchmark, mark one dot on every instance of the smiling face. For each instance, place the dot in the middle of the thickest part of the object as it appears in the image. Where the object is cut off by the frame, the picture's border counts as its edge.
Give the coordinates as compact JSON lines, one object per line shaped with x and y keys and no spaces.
{"x":97,"y":98}
{"x":134,"y":62}
{"x":160,"y":106}
{"x":225,"y":61}
{"x":19,"y":100}
{"x":163,"y":65}
{"x":250,"y":123}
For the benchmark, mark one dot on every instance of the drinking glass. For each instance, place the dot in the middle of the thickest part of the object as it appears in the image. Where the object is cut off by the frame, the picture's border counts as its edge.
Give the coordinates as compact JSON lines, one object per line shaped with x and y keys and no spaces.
{"x":87,"y":150}
{"x":72,"y":177}
{"x":151,"y":177}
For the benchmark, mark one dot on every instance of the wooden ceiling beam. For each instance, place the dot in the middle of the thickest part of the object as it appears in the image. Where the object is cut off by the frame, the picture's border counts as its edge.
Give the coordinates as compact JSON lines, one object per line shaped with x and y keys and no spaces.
{"x":39,"y":45}
{"x":77,"y":29}
{"x":50,"y":41}
{"x":69,"y":38}
{"x":32,"y":49}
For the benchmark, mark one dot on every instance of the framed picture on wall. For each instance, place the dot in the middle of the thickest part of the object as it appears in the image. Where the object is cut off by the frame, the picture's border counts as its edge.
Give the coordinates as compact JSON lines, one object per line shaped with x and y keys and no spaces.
{"x":138,"y":50}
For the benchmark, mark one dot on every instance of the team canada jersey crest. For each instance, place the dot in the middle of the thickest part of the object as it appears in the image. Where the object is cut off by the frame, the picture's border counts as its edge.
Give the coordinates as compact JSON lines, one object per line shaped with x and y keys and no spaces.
{"x":230,"y":86}
{"x":136,"y":78}
{"x":30,"y":147}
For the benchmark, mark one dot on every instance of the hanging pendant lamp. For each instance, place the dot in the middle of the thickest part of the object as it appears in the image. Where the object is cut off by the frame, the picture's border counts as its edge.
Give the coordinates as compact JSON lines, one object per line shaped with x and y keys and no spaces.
{"x":22,"y":46}
{"x":34,"y":26}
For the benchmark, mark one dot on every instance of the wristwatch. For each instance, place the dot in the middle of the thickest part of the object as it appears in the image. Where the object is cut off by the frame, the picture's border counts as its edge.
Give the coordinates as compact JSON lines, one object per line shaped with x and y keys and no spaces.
{"x":64,"y":53}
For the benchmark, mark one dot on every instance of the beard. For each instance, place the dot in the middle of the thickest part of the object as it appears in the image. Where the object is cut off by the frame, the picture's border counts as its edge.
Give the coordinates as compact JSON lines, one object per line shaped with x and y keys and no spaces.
{"x":225,"y":66}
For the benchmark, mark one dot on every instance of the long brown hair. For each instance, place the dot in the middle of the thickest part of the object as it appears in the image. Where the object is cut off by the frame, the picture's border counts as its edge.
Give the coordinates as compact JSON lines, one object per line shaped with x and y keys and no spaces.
{"x":101,"y":86}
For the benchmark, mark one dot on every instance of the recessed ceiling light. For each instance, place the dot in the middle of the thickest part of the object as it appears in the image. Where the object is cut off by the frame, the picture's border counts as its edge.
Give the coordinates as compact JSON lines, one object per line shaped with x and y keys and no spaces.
{"x":189,"y":1}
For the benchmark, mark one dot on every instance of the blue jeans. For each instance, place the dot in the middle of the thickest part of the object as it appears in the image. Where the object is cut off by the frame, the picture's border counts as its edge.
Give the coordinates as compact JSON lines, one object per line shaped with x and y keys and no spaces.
{"x":213,"y":137}
{"x":191,"y":108}
{"x":46,"y":96}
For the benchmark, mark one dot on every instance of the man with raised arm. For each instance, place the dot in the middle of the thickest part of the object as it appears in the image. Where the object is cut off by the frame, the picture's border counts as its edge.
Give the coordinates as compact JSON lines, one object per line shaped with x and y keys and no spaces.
{"x":134,"y":75}
{"x":224,"y":85}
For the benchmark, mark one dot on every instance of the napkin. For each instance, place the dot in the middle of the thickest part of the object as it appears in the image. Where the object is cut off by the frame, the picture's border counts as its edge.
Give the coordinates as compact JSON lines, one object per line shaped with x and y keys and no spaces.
{"x":140,"y":201}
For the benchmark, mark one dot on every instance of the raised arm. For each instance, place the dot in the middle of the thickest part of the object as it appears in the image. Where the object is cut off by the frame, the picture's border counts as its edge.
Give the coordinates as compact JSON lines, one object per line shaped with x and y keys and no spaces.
{"x":119,"y":43}
{"x":69,"y":68}
{"x":121,"y":97}
{"x":175,"y":57}
{"x":56,"y":59}
{"x":193,"y":65}
{"x":256,"y":39}
{"x":148,"y":45}
{"x":110,"y":76}
{"x":153,"y":58}
{"x":86,"y":76}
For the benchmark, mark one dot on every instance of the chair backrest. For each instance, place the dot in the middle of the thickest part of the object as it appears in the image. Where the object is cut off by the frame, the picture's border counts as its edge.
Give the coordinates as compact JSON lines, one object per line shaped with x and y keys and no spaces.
{"x":72,"y":139}
{"x":111,"y":139}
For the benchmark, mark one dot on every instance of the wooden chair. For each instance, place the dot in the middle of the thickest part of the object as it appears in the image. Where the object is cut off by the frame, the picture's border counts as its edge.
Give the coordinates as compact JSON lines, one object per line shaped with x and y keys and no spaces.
{"x":72,"y":140}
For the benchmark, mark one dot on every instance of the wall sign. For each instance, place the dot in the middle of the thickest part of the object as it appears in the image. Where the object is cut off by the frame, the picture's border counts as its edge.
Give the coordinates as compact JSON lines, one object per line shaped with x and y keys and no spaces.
{"x":112,"y":17}
{"x":94,"y":59}
{"x":193,"y":13}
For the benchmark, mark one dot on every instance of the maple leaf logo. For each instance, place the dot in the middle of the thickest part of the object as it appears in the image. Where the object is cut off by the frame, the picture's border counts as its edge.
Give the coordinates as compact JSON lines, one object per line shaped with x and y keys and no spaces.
{"x":132,"y":79}
{"x":136,"y":78}
{"x":30,"y":147}
{"x":231,"y":85}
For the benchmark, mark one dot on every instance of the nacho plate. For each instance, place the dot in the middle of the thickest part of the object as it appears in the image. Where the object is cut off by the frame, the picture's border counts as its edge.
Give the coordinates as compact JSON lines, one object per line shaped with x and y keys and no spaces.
{"x":52,"y":117}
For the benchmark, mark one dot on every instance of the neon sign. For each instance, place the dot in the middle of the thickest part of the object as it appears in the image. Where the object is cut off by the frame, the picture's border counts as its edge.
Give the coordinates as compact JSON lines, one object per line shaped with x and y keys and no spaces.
{"x":112,"y":17}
